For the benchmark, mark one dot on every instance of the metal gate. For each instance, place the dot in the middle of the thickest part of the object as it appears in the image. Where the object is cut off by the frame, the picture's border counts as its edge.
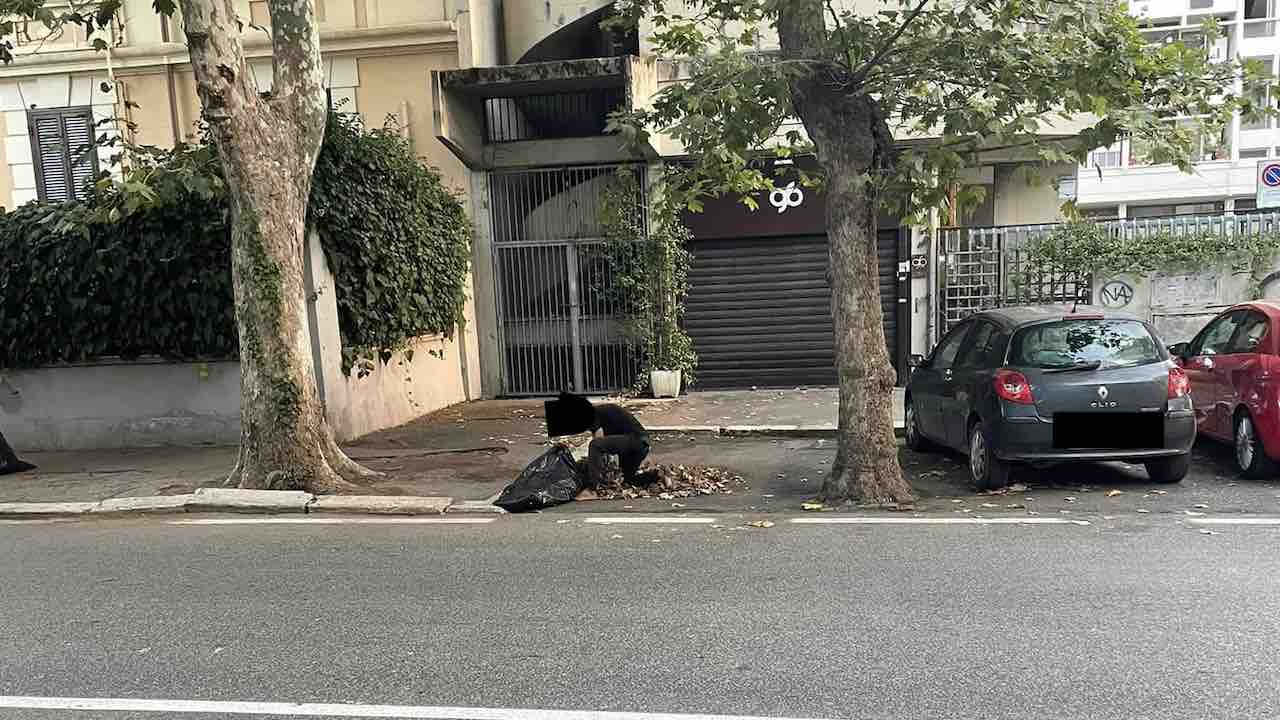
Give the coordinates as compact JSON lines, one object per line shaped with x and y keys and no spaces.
{"x":989,"y":267}
{"x":559,"y":327}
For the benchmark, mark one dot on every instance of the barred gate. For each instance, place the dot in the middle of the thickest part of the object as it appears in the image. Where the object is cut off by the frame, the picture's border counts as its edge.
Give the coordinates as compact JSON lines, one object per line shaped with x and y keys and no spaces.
{"x":559,"y":327}
{"x":989,"y":267}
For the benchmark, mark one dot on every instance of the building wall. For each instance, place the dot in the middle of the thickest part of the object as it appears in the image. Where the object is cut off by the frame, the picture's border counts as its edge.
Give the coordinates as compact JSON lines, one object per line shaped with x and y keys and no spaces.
{"x":1026,"y":194}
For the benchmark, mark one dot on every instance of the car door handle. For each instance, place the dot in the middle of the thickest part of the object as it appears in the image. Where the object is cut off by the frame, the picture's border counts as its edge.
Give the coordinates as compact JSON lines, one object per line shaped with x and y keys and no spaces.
{"x":1206,"y":363}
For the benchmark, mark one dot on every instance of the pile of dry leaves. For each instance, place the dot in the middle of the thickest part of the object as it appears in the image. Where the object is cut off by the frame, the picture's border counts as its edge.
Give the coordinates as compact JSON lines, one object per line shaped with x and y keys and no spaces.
{"x":667,"y":482}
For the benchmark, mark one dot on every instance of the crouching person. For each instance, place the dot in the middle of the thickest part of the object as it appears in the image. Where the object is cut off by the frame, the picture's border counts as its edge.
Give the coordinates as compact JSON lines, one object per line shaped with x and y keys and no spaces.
{"x":621,"y":435}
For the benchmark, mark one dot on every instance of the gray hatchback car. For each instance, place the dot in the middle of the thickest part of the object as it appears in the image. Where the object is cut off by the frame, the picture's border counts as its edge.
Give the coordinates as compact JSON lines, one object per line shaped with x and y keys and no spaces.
{"x":1046,"y":385}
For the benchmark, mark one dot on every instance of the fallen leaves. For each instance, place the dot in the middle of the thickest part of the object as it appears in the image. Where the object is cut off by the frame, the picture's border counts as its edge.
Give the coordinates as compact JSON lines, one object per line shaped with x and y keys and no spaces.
{"x":670,"y":482}
{"x":761,"y":524}
{"x":812,"y":507}
{"x":1210,"y":532}
{"x":1113,"y":493}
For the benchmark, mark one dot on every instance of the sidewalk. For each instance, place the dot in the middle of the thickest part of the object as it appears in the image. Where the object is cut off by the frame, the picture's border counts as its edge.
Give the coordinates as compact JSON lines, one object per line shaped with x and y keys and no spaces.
{"x":470,"y":452}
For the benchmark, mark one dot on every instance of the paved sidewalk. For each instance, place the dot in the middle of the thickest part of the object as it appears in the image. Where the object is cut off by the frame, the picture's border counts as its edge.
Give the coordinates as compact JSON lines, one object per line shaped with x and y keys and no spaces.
{"x":800,"y":407}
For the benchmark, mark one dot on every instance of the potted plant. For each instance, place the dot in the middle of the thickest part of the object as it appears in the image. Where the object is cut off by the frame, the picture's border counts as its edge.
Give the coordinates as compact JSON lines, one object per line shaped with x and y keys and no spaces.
{"x":649,"y":267}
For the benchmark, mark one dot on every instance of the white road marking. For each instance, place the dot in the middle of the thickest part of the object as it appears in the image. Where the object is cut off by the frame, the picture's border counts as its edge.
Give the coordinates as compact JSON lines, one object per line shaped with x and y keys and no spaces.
{"x":1264,"y":521}
{"x":649,"y":520}
{"x":339,"y":710}
{"x":333,"y":521}
{"x":934,"y":521}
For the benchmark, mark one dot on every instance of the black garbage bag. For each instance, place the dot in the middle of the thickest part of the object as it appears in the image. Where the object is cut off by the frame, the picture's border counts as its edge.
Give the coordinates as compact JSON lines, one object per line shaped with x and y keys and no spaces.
{"x":553,"y":479}
{"x":569,"y":415}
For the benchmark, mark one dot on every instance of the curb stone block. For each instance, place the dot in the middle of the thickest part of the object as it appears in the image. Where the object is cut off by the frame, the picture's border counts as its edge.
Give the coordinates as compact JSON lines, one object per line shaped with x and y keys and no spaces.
{"x":45,"y":508}
{"x":380,"y":504}
{"x":144,"y":504}
{"x":258,"y":501}
{"x":476,"y":506}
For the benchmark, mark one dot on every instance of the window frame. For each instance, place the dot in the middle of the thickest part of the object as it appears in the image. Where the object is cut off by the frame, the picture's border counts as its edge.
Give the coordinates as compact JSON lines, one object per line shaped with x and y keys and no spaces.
{"x":34,"y":115}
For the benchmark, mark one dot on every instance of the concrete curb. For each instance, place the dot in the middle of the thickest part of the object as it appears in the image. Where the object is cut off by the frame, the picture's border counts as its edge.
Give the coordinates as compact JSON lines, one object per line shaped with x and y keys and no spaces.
{"x":229,"y":500}
{"x":380,"y":504}
{"x":776,"y":431}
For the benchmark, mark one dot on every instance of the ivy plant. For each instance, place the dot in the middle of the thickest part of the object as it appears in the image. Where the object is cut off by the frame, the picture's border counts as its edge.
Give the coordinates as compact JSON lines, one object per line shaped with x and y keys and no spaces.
{"x":1084,"y":247}
{"x":648,"y":259}
{"x":397,"y":240}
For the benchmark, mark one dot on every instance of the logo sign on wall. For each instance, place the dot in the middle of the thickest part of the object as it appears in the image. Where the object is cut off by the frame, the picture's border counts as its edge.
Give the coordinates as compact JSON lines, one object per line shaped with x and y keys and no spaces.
{"x":786,"y":198}
{"x":1117,"y":294}
{"x":1268,"y":183}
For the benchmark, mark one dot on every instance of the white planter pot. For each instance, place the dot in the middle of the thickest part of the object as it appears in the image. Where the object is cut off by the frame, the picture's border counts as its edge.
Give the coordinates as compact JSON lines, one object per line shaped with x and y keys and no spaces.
{"x":665,"y":383}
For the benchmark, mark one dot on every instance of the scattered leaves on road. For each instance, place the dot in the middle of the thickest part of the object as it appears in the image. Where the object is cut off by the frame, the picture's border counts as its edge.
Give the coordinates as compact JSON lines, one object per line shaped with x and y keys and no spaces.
{"x":1143,"y":511}
{"x":1210,"y":532}
{"x":1070,"y":498}
{"x":761,"y":524}
{"x":1113,"y":493}
{"x":615,"y":537}
{"x":812,"y":506}
{"x":1192,"y":513}
{"x":1158,"y":492}
{"x":1201,"y":506}
{"x":990,"y":505}
{"x":671,"y":482}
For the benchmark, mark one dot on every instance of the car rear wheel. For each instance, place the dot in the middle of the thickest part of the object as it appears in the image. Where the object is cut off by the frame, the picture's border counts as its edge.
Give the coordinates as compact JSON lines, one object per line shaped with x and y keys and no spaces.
{"x":988,"y":471}
{"x":1251,"y":457}
{"x":911,"y":428}
{"x":1169,"y":470}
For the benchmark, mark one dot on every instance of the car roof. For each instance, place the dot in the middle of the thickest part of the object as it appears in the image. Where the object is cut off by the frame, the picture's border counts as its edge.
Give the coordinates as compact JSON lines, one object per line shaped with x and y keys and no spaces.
{"x":1270,"y":308}
{"x":1017,"y":316}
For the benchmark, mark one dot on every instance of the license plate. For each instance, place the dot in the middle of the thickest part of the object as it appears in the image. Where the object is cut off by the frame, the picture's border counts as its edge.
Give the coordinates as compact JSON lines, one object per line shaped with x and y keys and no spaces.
{"x":1108,"y":431}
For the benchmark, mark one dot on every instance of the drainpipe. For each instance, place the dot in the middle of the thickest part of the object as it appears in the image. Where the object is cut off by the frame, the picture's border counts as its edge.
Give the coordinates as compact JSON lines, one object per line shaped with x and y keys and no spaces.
{"x":169,"y":80}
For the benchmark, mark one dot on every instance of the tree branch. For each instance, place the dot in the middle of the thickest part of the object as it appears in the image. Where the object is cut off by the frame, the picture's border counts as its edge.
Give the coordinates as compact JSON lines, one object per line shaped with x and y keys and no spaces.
{"x":884,"y":49}
{"x":299,"y":70}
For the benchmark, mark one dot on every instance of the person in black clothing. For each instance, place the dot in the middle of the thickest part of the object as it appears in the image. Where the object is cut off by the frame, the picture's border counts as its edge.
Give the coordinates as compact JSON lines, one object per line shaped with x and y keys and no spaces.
{"x":621,"y":435}
{"x":9,"y":461}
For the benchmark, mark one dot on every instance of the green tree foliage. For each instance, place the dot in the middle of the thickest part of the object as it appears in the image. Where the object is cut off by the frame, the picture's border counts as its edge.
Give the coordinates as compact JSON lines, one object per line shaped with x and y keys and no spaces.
{"x":955,"y":81}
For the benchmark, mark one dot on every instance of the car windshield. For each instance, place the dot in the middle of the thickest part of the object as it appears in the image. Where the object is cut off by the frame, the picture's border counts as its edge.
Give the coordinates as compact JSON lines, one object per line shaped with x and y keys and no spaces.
{"x":1101,"y":343}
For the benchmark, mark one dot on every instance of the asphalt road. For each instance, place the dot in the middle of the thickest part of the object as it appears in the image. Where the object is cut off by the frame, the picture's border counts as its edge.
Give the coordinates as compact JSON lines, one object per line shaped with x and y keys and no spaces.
{"x":1140,"y":617}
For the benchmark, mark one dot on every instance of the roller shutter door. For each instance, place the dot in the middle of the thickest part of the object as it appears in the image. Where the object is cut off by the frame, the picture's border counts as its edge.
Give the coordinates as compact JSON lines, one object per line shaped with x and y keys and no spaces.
{"x":759,"y":310}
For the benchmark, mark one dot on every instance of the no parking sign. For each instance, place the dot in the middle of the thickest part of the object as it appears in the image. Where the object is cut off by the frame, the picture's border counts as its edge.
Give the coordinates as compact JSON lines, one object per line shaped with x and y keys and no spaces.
{"x":1268,"y":183}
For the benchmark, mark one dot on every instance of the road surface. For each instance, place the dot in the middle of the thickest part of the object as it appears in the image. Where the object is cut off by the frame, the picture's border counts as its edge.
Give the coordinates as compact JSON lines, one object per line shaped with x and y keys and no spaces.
{"x":1131,"y":617}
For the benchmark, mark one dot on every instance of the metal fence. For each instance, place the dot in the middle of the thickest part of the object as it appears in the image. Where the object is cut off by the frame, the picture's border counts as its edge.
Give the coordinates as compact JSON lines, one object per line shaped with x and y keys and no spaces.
{"x":561,"y":326}
{"x":991,"y":267}
{"x":545,"y":117}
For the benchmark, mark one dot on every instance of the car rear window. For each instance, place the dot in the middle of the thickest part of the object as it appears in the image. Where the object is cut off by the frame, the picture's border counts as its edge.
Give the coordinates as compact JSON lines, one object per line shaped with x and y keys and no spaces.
{"x":1070,"y":342}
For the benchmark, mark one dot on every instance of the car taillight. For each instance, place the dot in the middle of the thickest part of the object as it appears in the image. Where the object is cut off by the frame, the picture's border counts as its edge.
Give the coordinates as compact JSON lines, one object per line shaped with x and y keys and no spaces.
{"x":1179,"y":383}
{"x":1012,"y":385}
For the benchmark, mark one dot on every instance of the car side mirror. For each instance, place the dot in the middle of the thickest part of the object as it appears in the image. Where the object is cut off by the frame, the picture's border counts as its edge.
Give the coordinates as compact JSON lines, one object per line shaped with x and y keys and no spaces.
{"x":916,"y":361}
{"x":1178,"y":350}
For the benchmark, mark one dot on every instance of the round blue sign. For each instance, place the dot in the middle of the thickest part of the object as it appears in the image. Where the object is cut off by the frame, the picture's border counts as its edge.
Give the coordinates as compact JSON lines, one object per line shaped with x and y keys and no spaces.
{"x":1271,"y":175}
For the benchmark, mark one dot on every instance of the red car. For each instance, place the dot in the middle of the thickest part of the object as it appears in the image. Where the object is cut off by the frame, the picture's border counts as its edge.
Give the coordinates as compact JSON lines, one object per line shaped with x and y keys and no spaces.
{"x":1234,"y":368}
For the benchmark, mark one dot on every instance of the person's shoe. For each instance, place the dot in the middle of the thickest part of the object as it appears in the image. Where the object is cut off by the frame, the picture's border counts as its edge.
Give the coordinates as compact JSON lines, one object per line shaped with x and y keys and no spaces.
{"x":17,"y":467}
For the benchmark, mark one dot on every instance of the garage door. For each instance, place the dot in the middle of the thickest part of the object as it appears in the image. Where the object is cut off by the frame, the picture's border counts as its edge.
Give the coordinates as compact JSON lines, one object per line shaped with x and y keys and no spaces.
{"x":759,"y":310}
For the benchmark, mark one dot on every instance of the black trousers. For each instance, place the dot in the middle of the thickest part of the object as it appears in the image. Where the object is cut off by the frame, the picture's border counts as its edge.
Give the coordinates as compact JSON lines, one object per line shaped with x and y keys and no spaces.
{"x":631,"y":450}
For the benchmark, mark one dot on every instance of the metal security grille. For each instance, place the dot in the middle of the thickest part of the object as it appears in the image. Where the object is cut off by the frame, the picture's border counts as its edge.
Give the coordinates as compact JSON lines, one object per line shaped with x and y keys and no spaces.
{"x":560,"y":326}
{"x":989,"y":267}
{"x":543,"y":117}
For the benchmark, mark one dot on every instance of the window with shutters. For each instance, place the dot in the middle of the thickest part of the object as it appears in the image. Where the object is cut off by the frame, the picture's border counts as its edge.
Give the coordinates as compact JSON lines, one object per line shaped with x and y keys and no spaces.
{"x":62,"y":147}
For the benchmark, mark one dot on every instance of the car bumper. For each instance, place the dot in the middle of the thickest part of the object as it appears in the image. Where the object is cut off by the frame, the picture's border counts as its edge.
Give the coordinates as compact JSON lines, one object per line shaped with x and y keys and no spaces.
{"x":1031,"y":440}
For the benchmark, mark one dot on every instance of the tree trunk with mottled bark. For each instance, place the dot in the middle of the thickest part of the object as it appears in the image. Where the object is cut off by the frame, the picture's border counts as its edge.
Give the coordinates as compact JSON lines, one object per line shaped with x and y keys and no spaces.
{"x":853,"y":143}
{"x":268,"y":147}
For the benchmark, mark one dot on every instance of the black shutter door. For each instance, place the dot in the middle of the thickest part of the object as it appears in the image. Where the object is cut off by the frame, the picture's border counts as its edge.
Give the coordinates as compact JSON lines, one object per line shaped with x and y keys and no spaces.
{"x":66,"y":157}
{"x":759,"y":312}
{"x":83,"y":155}
{"x":54,"y":179}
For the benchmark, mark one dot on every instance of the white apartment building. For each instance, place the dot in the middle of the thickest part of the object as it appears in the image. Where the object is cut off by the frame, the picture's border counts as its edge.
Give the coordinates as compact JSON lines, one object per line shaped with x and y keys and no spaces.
{"x":1119,"y":182}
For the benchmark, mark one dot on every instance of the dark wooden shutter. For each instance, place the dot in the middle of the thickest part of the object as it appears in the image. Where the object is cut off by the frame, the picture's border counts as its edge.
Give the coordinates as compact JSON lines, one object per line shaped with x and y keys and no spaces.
{"x":66,"y":159}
